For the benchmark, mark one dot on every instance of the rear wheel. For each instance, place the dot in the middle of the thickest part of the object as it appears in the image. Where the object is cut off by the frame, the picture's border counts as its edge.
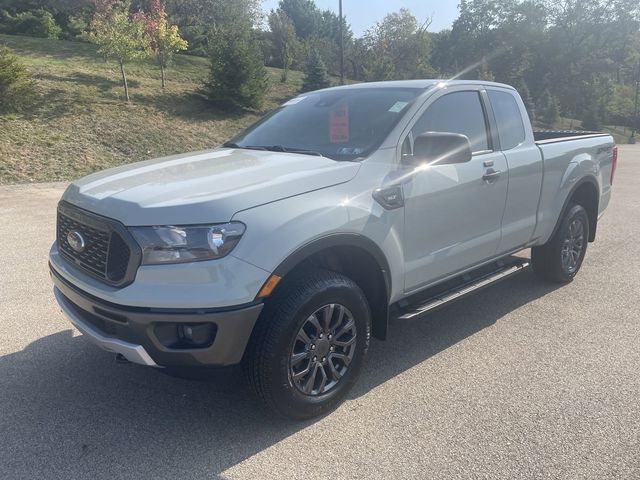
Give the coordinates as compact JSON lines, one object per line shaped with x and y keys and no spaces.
{"x":560,"y":259}
{"x":308,"y":347}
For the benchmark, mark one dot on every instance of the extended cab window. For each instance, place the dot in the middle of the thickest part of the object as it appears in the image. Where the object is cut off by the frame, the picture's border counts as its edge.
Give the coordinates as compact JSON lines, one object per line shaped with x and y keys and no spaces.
{"x":509,"y":119}
{"x":458,"y":112}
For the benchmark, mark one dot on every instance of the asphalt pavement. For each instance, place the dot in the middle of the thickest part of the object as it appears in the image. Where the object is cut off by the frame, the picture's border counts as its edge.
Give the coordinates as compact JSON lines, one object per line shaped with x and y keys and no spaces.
{"x":521,"y":380}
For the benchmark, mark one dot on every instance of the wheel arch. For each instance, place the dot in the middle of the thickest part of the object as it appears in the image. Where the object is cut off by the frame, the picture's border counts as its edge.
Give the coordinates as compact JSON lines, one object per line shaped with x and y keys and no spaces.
{"x":355,"y":256}
{"x":586,"y":192}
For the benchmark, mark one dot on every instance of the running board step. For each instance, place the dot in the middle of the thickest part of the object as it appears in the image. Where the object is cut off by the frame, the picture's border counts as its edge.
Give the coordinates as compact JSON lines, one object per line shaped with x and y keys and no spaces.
{"x":467,"y":286}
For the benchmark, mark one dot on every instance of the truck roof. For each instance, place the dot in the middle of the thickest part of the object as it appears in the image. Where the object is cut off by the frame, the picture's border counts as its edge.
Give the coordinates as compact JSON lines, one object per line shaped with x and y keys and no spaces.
{"x":421,"y":84}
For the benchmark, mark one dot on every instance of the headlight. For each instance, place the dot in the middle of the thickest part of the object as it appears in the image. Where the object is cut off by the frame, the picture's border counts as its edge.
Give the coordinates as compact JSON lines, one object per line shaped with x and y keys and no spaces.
{"x":186,"y":244}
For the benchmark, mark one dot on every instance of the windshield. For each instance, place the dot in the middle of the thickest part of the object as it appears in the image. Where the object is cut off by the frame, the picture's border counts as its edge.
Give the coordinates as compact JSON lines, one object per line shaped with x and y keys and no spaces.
{"x":342,"y":124}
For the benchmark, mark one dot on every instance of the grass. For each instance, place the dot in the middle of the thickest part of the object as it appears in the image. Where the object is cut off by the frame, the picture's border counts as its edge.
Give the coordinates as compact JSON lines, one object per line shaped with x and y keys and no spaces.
{"x":82,"y":124}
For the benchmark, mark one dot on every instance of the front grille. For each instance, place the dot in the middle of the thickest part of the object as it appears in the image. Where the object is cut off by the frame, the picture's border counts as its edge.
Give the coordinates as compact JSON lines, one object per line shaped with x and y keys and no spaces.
{"x":106,"y":254}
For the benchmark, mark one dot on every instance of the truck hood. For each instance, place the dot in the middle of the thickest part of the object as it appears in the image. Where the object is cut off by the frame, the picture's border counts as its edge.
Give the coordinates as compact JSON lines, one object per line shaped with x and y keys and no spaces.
{"x":203,"y":187}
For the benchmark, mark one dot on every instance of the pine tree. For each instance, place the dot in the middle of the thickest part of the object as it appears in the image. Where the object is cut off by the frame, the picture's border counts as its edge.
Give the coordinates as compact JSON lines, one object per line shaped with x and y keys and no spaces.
{"x":316,"y":76}
{"x":16,"y":86}
{"x":548,"y":108}
{"x":525,"y":94}
{"x":237,"y":78}
{"x":591,"y":119}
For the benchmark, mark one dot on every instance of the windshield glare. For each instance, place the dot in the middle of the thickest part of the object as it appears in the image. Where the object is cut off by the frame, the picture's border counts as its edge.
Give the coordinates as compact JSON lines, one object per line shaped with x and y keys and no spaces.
{"x":342,"y":124}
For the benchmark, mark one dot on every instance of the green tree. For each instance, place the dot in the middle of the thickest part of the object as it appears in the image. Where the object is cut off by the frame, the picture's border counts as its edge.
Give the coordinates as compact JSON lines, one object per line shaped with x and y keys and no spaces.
{"x":521,"y":86}
{"x":548,"y":109}
{"x":237,"y":78}
{"x":164,"y":39}
{"x":304,"y":14}
{"x":318,"y":30}
{"x":402,"y":40}
{"x":119,"y":36}
{"x":316,"y":76}
{"x":199,"y":19}
{"x":284,"y":40}
{"x":378,"y":68}
{"x":591,"y":119}
{"x":16,"y":85}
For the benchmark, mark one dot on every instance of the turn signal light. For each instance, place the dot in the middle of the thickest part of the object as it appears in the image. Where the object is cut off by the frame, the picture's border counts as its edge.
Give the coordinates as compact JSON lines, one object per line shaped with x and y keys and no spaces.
{"x":268,"y":286}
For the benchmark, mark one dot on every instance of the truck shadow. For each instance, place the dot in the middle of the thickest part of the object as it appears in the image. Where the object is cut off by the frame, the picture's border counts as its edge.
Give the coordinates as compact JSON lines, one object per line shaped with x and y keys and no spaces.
{"x":69,"y":411}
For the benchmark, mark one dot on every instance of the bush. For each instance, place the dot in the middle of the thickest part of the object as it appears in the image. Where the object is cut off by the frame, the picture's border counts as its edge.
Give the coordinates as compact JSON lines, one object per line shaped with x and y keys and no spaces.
{"x":16,"y":86}
{"x":36,"y":23}
{"x":237,"y":78}
{"x":316,"y":76}
{"x":75,"y":28}
{"x":591,"y":119}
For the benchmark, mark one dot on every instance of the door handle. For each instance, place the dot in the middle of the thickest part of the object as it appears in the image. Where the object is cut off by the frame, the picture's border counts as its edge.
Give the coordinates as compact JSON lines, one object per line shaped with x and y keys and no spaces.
{"x":488,"y":163}
{"x":491,"y":175}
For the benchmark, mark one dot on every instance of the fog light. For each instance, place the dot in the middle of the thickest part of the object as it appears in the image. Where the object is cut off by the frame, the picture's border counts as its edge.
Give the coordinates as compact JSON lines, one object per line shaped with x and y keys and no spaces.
{"x":185,"y":335}
{"x":196,"y":335}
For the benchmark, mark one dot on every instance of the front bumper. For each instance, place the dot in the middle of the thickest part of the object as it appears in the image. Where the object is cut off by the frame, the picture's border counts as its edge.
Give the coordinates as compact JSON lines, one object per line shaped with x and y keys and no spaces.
{"x":131,"y":331}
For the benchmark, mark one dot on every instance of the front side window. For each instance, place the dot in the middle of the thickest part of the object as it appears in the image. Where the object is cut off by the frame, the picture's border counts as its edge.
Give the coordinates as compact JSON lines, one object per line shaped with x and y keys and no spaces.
{"x":458,"y":112}
{"x":508,"y":118}
{"x":342,"y":124}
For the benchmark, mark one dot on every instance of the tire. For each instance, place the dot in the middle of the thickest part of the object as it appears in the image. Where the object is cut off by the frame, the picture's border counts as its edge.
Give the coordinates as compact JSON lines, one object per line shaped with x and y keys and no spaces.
{"x":560,"y":259}
{"x":269,"y":363}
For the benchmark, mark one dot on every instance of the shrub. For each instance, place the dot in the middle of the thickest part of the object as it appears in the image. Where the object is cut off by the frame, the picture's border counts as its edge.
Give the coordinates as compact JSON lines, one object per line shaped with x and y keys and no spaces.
{"x":16,"y":86}
{"x":237,"y":78}
{"x":36,"y":23}
{"x":316,"y":76}
{"x":76,"y":28}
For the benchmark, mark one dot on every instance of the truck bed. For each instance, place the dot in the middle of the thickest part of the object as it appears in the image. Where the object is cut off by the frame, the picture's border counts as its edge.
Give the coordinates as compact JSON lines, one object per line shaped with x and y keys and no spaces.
{"x":548,"y":136}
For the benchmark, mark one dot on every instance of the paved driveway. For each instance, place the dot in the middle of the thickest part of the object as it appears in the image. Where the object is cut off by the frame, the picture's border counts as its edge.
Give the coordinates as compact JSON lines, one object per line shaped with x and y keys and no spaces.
{"x":523,"y":380}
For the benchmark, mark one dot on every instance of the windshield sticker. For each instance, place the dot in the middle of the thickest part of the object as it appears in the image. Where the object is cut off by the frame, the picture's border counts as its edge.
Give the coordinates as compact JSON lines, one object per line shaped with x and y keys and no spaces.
{"x":350,"y":151}
{"x":398,"y":106}
{"x":339,"y":124}
{"x":293,"y":101}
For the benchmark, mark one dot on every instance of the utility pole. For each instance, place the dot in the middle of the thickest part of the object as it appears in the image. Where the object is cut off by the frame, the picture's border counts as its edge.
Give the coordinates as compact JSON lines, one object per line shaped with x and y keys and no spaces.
{"x":342,"y":45}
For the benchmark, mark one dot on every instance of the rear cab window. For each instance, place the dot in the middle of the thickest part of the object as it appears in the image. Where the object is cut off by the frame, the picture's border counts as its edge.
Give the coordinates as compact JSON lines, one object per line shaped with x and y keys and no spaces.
{"x":508,"y":119}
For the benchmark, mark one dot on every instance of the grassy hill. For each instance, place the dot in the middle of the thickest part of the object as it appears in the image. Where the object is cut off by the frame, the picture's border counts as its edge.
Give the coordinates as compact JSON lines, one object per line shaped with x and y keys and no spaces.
{"x":81,"y":123}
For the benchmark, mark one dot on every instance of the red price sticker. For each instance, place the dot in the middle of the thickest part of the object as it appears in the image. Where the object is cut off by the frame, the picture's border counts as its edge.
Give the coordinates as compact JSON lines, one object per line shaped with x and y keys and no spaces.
{"x":339,"y":124}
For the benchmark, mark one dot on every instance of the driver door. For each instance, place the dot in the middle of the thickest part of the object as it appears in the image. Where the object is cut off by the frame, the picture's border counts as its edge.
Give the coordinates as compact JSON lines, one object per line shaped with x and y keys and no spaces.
{"x":453,"y":213}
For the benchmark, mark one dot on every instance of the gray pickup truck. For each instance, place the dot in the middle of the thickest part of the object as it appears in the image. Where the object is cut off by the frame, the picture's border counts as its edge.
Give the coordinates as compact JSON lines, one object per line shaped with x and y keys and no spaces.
{"x":286,"y":248}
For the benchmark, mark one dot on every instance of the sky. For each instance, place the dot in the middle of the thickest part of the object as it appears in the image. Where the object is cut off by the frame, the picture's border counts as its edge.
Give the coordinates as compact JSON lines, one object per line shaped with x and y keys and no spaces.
{"x":363,"y":14}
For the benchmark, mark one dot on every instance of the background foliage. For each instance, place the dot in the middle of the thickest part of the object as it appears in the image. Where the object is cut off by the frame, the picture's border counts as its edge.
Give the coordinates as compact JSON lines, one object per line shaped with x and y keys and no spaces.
{"x":579,"y":58}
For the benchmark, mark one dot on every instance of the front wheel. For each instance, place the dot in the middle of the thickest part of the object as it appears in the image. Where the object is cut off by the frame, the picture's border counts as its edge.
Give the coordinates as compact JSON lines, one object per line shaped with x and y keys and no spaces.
{"x":308,"y":347}
{"x":560,"y":259}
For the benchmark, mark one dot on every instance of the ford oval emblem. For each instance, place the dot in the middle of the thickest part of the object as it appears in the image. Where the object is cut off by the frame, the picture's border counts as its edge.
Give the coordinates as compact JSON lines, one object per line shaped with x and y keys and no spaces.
{"x":76,"y":240}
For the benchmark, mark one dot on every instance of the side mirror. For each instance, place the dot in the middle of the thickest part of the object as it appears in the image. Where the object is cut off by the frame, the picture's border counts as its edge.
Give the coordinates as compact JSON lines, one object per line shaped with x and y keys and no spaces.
{"x":441,"y":148}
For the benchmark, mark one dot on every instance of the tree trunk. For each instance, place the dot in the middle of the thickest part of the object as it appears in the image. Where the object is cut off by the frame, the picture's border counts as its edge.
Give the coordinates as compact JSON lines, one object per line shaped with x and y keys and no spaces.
{"x":162,"y":69}
{"x":124,"y":82}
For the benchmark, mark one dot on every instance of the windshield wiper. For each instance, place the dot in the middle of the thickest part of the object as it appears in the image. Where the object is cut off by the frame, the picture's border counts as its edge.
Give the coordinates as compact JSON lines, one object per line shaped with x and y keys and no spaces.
{"x":249,"y":147}
{"x":274,"y":148}
{"x":280,"y":148}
